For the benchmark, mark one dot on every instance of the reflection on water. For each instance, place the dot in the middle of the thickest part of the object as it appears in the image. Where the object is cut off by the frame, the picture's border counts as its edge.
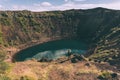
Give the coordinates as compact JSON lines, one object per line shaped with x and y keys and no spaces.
{"x":52,"y":50}
{"x":56,"y":53}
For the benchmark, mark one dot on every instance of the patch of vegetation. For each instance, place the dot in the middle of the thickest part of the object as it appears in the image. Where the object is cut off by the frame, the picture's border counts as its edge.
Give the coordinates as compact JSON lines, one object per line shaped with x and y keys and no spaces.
{"x":107,"y":76}
{"x":26,"y":78}
{"x":4,"y":67}
{"x":4,"y":77}
{"x":1,"y":37}
{"x":5,"y":21}
{"x":2,"y":55}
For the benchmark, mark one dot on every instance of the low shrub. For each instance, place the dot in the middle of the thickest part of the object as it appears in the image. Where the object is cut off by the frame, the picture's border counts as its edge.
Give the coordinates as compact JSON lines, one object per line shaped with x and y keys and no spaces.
{"x":26,"y":78}
{"x":4,"y":67}
{"x":107,"y":76}
{"x":2,"y":55}
{"x":4,"y":77}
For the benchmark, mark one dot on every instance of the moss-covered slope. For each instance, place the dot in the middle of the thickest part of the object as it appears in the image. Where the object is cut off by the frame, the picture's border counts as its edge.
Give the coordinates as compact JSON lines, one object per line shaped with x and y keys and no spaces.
{"x":18,"y":27}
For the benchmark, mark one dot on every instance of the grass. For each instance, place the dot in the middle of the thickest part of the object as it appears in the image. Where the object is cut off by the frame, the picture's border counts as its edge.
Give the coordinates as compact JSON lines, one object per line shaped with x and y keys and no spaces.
{"x":104,"y":55}
{"x":1,"y":37}
{"x":52,"y":71}
{"x":105,"y":75}
{"x":4,"y":77}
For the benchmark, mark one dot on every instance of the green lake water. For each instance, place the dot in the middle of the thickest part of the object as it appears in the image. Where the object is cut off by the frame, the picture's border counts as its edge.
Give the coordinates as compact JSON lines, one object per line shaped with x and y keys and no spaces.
{"x":52,"y":50}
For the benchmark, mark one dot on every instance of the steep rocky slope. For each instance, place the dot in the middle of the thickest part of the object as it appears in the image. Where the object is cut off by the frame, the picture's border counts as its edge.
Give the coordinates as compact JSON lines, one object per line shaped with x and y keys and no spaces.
{"x":18,"y":27}
{"x":98,"y":26}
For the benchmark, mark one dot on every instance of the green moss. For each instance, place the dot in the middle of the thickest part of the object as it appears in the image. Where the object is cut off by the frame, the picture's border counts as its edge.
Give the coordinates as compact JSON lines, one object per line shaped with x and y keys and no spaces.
{"x":2,"y":55}
{"x":5,"y":21}
{"x":1,"y":37}
{"x":1,"y":41}
{"x":4,"y":77}
{"x":4,"y":67}
{"x":105,"y":75}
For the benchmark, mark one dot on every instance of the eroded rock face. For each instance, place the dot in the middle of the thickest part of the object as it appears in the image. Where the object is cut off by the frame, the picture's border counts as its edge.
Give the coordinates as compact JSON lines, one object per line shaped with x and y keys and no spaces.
{"x":19,"y":27}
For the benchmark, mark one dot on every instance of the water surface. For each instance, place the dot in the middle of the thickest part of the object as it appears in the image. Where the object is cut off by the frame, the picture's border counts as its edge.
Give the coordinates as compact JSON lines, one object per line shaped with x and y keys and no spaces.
{"x":52,"y":50}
